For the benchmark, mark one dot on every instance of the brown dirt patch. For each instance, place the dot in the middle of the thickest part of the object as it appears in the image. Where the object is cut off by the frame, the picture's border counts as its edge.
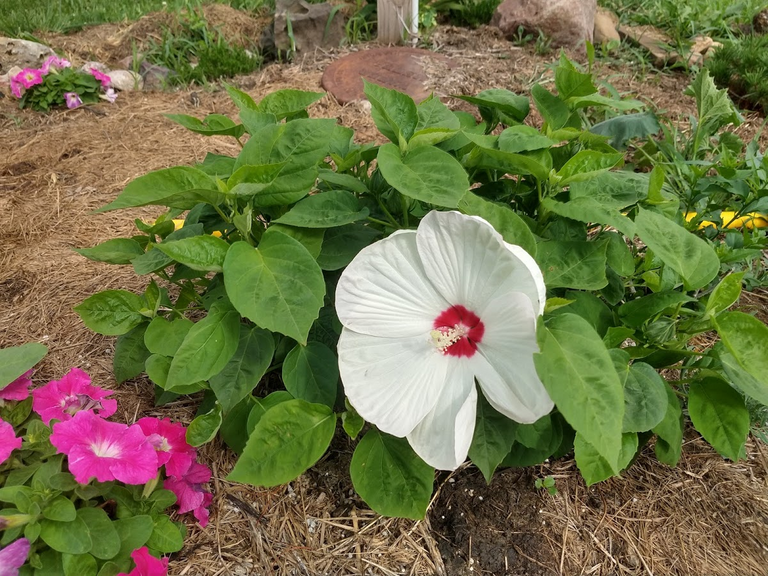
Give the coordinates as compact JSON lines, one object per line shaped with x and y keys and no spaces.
{"x":705,"y":517}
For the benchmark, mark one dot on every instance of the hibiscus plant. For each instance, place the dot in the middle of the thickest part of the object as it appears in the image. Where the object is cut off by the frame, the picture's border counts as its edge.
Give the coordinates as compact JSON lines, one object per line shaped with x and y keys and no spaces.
{"x":83,"y":495}
{"x":474,"y":288}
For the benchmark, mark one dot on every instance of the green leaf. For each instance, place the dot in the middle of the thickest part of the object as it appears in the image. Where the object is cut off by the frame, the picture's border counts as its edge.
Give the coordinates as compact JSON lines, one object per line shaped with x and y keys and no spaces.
{"x":234,"y":427}
{"x":278,"y":286}
{"x":436,"y":123}
{"x":288,"y":439}
{"x":342,"y":181}
{"x":725,"y":293}
{"x":626,"y":127}
{"x":690,"y":256}
{"x":70,"y":537}
{"x":217,"y":165}
{"x":130,"y":354}
{"x":166,"y":536}
{"x":16,"y":360}
{"x":593,"y":467}
{"x":79,"y":565}
{"x":212,"y":125}
{"x":719,"y":414}
{"x":715,"y":109}
{"x":578,"y":373}
{"x":310,"y":238}
{"x":133,"y":533}
{"x":572,"y":264}
{"x":351,"y":421}
{"x":591,"y":212}
{"x":205,"y":253}
{"x":60,"y":509}
{"x":515,"y":107}
{"x":512,"y":227}
{"x":390,"y":477}
{"x":111,"y":312}
{"x":636,"y":312}
{"x":485,"y":155}
{"x":206,"y":349}
{"x":114,"y":251}
{"x":589,"y":307}
{"x":645,"y":398}
{"x":523,"y":138}
{"x":746,"y":338}
{"x":165,"y":336}
{"x":394,"y":113}
{"x":612,"y":189}
{"x":493,"y":437}
{"x":245,"y":369}
{"x":158,"y":186}
{"x":571,"y":83}
{"x":741,"y":379}
{"x":554,"y":111}
{"x":204,"y":427}
{"x":427,"y":174}
{"x":619,"y":255}
{"x":262,"y":405}
{"x":587,"y":164}
{"x":311,"y":373}
{"x":325,"y":210}
{"x":341,"y":245}
{"x":287,"y":102}
{"x":106,"y":542}
{"x":604,"y":101}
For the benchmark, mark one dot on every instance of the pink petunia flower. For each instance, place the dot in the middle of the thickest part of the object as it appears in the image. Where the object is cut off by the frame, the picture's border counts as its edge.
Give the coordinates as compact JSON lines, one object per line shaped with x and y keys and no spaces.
{"x":73,"y":100}
{"x":18,"y":389}
{"x":170,"y":441}
{"x":101,"y":77}
{"x":54,"y":62}
{"x":29,"y":77}
{"x":8,"y":442}
{"x":61,"y":399}
{"x":16,"y":87}
{"x":146,"y":564}
{"x":109,"y":95}
{"x":190,"y":495}
{"x":105,"y":450}
{"x":13,"y":556}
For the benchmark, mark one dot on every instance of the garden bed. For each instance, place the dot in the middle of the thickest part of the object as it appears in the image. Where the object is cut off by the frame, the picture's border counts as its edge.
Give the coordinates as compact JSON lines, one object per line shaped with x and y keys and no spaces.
{"x":707,"y":516}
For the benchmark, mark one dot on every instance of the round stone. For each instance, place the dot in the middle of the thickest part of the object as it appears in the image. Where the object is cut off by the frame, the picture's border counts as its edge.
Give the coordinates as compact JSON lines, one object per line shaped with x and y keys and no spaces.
{"x":398,"y":68}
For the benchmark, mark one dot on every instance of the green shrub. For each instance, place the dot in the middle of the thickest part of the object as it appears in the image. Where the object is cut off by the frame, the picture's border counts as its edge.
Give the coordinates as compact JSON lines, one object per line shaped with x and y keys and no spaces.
{"x":741,"y":66}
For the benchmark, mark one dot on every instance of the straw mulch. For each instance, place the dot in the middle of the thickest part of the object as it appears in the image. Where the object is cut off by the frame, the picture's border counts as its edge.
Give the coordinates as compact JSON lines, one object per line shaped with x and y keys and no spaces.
{"x":705,"y":517}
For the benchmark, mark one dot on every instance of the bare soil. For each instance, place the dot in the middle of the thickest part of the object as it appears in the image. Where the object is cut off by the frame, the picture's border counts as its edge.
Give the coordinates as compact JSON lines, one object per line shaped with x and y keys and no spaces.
{"x":707,"y":516}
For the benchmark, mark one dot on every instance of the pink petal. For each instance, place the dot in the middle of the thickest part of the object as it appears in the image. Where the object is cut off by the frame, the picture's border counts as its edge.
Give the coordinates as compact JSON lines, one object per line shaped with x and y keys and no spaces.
{"x":13,"y":556}
{"x":18,"y":389}
{"x":8,"y":441}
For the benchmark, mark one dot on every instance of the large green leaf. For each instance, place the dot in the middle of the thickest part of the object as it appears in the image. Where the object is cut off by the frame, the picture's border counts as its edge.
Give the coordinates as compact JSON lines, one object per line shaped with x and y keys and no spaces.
{"x":114,"y":251}
{"x":111,"y":312}
{"x":311,"y":373}
{"x":166,"y":536}
{"x":719,"y":414}
{"x":512,"y":227}
{"x":16,"y":360}
{"x":623,"y":128}
{"x":669,"y":444}
{"x":579,"y":375}
{"x":714,"y":107}
{"x":690,"y":256}
{"x":725,"y":293}
{"x":70,"y":537}
{"x":278,"y":286}
{"x":287,"y":102}
{"x":288,"y":439}
{"x":205,"y":426}
{"x":587,"y":164}
{"x":106,"y":542}
{"x":591,"y":212}
{"x":493,"y":437}
{"x":130,"y":354}
{"x":78,"y":565}
{"x":133,"y":532}
{"x":593,"y":466}
{"x":511,"y":105}
{"x":390,"y":477}
{"x":206,"y":349}
{"x":617,"y":189}
{"x":436,"y":123}
{"x":570,"y":82}
{"x":245,"y":369}
{"x":636,"y":312}
{"x":523,"y":138}
{"x":746,"y":338}
{"x":554,"y":111}
{"x":341,"y":245}
{"x":645,"y":398}
{"x":212,"y":125}
{"x":426,"y":173}
{"x":164,"y":336}
{"x":205,"y":253}
{"x":301,"y":143}
{"x":393,"y":112}
{"x":156,"y":187}
{"x":573,"y":264}
{"x":743,"y":380}
{"x":325,"y":210}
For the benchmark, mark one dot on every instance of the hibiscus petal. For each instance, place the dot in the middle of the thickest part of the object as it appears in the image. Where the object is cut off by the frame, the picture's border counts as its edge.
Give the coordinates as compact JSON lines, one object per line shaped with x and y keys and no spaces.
{"x":504,"y":366}
{"x":443,"y":438}
{"x":392,"y":382}
{"x":385,"y":291}
{"x":470,"y":264}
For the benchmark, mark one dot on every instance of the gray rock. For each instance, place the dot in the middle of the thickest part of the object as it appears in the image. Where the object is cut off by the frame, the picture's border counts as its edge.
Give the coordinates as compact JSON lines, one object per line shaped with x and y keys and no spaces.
{"x":103,"y":68}
{"x":126,"y":80}
{"x":309,"y":26}
{"x":155,"y":76}
{"x":567,"y":23}
{"x":21,"y":53}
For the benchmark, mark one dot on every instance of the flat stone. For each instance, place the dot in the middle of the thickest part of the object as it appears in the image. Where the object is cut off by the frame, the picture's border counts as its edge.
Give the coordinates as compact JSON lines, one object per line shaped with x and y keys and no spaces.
{"x":653,"y":40}
{"x":400,"y":69}
{"x":126,"y":80}
{"x":21,"y":53}
{"x":606,"y":24}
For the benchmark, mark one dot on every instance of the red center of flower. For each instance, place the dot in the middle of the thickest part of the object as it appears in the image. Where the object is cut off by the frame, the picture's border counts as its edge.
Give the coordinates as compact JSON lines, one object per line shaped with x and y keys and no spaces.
{"x":457,"y":331}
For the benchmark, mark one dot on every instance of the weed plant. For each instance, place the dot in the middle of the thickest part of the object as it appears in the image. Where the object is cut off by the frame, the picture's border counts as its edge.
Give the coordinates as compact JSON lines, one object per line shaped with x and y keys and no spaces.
{"x":472,"y":13}
{"x":741,"y":66}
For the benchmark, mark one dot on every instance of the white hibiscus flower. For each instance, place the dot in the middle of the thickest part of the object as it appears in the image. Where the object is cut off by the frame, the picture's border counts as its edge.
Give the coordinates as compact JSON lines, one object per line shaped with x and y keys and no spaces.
{"x":426,"y":313}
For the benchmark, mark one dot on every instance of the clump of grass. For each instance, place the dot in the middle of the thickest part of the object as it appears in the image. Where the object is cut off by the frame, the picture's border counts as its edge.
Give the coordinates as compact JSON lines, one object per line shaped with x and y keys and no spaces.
{"x":741,"y":66}
{"x":197,"y":54}
{"x":472,"y":13}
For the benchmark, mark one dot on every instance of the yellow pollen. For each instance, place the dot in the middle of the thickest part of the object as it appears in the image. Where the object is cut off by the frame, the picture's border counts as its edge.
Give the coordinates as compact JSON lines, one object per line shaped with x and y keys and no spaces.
{"x":444,"y":338}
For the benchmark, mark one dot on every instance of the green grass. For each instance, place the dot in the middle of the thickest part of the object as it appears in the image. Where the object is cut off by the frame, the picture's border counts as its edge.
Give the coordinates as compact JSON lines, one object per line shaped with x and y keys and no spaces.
{"x":683,"y":19}
{"x":18,"y":17}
